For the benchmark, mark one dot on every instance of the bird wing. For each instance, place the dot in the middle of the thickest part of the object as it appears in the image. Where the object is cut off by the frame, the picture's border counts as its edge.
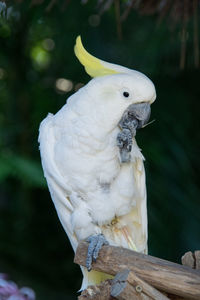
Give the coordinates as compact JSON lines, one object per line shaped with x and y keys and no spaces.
{"x":136,"y":229}
{"x":58,"y":187}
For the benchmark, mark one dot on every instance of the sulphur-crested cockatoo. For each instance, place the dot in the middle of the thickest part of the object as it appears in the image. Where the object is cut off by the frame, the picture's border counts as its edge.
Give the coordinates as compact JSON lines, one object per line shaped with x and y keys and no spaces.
{"x":91,"y":161}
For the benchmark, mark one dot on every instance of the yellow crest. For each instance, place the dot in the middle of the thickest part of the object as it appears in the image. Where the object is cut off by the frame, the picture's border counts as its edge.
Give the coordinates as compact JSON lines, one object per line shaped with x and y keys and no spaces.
{"x":93,"y":66}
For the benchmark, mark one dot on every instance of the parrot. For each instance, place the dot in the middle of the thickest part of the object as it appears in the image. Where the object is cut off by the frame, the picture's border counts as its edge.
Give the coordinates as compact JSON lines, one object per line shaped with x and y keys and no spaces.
{"x":91,"y":161}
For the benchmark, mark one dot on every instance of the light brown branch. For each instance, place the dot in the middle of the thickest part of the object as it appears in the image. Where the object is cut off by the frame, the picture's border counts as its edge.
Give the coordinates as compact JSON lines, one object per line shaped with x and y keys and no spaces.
{"x":126,"y":283}
{"x":188,"y":260}
{"x":197,"y":259}
{"x":97,"y":292}
{"x":191,"y":260}
{"x":161,"y":274}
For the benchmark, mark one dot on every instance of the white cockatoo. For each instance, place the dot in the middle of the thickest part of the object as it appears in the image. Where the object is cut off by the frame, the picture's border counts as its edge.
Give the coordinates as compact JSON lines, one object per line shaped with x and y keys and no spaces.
{"x":91,"y":161}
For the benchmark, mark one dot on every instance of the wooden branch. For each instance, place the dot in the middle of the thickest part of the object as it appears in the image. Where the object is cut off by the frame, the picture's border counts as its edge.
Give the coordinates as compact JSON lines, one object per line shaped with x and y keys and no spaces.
{"x":191,"y":260}
{"x":124,"y":291}
{"x":197,"y":259}
{"x":125,"y":286}
{"x":188,"y":260}
{"x":97,"y":292}
{"x":164,"y":275}
{"x":126,"y":283}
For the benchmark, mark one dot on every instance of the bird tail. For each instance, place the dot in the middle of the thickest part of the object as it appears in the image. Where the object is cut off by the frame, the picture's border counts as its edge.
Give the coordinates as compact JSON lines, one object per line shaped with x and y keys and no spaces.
{"x":93,"y":278}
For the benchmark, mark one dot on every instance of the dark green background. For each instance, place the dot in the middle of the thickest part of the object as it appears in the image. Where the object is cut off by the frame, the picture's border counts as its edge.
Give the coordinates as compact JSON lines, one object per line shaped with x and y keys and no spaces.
{"x":34,"y":249}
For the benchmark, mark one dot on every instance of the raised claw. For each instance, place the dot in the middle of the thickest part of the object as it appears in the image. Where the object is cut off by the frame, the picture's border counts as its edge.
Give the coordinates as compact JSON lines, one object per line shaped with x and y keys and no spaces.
{"x":124,"y":142}
{"x":128,"y":122}
{"x":135,"y":116}
{"x":95,"y":244}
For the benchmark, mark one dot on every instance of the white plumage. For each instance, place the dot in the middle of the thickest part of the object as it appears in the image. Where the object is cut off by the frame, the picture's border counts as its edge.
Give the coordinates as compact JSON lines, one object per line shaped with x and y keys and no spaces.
{"x":92,"y":190}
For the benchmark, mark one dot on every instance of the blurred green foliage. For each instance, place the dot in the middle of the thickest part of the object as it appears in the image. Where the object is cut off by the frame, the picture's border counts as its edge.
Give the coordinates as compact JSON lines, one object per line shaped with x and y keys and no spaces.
{"x":36,"y":49}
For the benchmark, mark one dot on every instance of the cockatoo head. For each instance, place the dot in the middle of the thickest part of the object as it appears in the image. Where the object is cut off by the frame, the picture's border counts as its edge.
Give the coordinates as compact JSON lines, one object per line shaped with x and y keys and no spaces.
{"x":116,"y":90}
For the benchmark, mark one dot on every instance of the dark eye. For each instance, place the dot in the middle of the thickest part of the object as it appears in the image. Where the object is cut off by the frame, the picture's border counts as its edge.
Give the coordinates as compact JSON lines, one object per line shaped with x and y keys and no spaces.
{"x":126,"y":94}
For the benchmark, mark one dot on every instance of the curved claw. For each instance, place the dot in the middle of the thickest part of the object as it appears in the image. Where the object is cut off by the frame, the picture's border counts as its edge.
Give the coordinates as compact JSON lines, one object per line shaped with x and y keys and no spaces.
{"x":95,"y":244}
{"x":124,"y":142}
{"x":124,"y":139}
{"x":101,"y":241}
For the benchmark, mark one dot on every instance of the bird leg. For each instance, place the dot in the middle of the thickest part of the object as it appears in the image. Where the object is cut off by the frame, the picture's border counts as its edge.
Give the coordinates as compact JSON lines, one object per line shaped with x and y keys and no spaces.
{"x":95,"y":243}
{"x":134,"y":117}
{"x":124,"y":142}
{"x":128,"y":125}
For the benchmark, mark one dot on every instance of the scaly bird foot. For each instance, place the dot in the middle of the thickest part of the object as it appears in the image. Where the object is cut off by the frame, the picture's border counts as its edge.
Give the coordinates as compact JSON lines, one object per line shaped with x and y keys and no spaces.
{"x":95,"y":244}
{"x":134,"y":117}
{"x":128,"y":122}
{"x":124,"y":142}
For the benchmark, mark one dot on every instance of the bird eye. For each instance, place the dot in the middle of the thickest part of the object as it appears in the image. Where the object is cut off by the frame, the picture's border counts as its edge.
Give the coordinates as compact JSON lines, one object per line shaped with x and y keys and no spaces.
{"x":126,"y":94}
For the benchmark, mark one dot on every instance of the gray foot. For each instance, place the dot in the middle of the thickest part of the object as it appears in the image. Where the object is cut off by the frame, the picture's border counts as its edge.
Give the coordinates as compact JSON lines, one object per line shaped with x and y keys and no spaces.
{"x":95,"y":244}
{"x":134,"y":117}
{"x":124,"y":142}
{"x":128,"y":122}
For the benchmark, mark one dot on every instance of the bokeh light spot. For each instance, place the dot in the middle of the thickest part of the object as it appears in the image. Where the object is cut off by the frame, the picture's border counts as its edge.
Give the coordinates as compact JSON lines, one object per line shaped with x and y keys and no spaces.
{"x":94,"y":20}
{"x":40,"y":57}
{"x":64,"y":85}
{"x":2,"y":73}
{"x":48,"y":44}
